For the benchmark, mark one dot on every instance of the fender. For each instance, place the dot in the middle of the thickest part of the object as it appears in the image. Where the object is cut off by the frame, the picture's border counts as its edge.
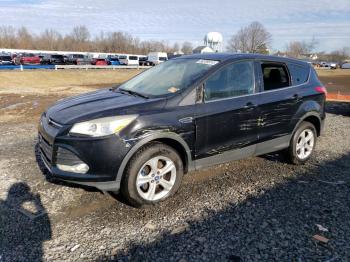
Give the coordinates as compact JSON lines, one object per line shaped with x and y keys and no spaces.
{"x":306,"y":109}
{"x":311,"y":113}
{"x":114,"y":185}
{"x":151,"y":137}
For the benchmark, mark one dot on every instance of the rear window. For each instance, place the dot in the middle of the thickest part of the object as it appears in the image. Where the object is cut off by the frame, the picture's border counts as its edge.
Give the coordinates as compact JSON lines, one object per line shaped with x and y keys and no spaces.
{"x":57,"y":56}
{"x":122,"y":57}
{"x":300,"y":74}
{"x":133,"y":57}
{"x":162,"y":58}
{"x":275,"y":76}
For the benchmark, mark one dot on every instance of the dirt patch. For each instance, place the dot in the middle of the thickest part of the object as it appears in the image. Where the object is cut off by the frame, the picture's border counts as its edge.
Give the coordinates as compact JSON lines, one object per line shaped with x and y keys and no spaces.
{"x":25,"y":95}
{"x":24,"y":108}
{"x":58,"y":82}
{"x":336,"y":81}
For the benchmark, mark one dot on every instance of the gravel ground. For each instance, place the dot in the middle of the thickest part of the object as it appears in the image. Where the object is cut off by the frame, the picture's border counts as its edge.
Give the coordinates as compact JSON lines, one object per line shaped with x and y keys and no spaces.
{"x":257,"y":209}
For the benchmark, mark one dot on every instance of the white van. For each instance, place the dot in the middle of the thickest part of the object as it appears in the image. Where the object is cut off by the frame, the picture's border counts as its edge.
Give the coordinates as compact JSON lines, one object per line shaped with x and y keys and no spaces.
{"x":156,"y":58}
{"x":128,"y":59}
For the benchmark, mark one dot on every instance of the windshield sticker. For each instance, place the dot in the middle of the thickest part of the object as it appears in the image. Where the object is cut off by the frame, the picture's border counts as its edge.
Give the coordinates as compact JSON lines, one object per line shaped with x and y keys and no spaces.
{"x":173,"y":89}
{"x":207,"y":62}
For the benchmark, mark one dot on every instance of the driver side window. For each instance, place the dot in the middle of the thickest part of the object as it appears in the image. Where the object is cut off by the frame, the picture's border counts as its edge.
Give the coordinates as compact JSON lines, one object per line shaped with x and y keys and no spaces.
{"x":236,"y":79}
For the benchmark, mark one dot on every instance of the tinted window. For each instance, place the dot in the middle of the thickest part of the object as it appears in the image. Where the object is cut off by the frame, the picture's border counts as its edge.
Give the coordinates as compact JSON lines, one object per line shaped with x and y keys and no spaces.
{"x":233,"y":80}
{"x":275,"y":76}
{"x":133,"y":57}
{"x":300,"y":74}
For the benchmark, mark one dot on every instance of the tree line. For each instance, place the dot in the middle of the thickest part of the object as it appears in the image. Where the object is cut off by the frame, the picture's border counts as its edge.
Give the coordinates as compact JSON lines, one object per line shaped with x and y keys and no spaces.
{"x":253,"y":38}
{"x":80,"y":39}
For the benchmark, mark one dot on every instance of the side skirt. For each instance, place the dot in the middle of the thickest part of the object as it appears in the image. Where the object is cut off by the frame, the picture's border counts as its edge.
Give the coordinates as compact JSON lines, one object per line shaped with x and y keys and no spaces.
{"x":269,"y":146}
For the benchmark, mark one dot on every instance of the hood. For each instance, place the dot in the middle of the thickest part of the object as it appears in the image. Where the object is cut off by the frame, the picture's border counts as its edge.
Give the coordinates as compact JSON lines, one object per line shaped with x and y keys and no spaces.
{"x":98,"y":104}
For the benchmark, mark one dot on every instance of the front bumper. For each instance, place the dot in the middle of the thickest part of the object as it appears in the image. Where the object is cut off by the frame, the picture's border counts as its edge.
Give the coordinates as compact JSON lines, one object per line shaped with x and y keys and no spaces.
{"x":103,"y":155}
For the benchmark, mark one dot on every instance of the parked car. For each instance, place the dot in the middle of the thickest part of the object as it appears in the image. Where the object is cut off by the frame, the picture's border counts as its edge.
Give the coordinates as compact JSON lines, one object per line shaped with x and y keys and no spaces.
{"x":345,"y":65}
{"x":6,"y":60}
{"x":143,"y":61}
{"x":333,"y":65}
{"x":53,"y":59}
{"x":99,"y":61}
{"x":78,"y":59}
{"x":26,"y":58}
{"x":113,"y":60}
{"x":155,"y":58}
{"x":128,"y":59}
{"x":185,"y":114}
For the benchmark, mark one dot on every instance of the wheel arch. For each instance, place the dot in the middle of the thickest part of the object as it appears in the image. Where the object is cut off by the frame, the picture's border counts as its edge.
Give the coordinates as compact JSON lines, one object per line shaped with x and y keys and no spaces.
{"x":313,"y":118}
{"x":171,"y":139}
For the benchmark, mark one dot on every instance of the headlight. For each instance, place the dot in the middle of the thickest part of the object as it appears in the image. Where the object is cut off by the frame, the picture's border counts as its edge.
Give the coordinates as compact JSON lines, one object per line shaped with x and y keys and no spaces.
{"x":102,"y":126}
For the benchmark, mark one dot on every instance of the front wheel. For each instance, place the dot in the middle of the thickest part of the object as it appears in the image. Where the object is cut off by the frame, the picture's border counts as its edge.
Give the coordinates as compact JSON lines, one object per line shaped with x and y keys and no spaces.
{"x":153,"y":174}
{"x":302,"y":144}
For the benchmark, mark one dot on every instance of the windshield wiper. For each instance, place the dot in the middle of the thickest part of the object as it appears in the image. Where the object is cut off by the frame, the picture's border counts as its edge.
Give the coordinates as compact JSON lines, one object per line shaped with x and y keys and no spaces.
{"x":133,"y":93}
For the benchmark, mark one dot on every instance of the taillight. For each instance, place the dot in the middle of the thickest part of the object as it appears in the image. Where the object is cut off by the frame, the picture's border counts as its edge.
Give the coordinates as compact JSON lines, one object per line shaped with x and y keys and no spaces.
{"x":321,"y":89}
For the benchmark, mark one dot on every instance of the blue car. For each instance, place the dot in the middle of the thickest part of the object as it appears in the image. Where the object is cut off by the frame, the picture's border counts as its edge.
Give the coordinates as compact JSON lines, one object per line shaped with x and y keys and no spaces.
{"x":113,"y":61}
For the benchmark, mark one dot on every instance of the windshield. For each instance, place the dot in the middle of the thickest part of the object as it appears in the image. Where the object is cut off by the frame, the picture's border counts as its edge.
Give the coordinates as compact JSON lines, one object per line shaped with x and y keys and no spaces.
{"x":168,"y":77}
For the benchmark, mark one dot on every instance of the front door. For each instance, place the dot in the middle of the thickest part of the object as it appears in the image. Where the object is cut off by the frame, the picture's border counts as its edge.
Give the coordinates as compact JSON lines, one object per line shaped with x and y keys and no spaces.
{"x":227,"y":118}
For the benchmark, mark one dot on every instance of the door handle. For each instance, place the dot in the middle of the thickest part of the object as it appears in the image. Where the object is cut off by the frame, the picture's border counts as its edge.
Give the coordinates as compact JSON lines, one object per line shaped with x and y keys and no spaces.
{"x":250,"y":105}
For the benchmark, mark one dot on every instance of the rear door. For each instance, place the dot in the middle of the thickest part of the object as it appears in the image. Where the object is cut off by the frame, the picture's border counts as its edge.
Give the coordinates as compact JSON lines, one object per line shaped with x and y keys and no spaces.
{"x":226,"y":119}
{"x":279,"y":100}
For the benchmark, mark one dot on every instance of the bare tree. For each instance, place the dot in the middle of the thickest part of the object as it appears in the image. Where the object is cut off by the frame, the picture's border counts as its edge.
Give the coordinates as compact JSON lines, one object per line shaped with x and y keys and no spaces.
{"x":187,"y":48}
{"x":251,"y":39}
{"x":49,"y":39}
{"x":24,"y":38}
{"x":79,"y":38}
{"x":298,"y":49}
{"x":338,"y":56}
{"x":176,"y":47}
{"x":8,"y":38}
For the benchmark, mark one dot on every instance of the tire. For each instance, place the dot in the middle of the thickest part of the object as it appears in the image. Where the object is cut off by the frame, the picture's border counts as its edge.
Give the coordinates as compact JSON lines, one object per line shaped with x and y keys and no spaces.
{"x":145,"y":168}
{"x":305,"y":151}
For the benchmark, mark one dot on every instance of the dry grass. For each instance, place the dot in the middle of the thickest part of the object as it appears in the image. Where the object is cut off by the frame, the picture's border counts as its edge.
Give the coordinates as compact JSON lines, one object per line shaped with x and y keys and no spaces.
{"x":61,"y":81}
{"x":336,"y":81}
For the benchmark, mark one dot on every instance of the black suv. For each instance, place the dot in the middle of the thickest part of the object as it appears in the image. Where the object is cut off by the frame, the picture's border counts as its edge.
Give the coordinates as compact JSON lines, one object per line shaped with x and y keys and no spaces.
{"x":185,"y":114}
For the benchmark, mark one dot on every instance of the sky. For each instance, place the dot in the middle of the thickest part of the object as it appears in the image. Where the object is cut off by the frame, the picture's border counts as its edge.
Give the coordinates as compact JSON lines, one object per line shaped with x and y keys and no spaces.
{"x":328,"y":21}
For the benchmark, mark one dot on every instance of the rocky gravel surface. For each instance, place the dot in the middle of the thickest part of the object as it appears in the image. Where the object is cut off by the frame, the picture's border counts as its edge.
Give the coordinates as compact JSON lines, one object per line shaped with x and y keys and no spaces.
{"x":257,"y":209}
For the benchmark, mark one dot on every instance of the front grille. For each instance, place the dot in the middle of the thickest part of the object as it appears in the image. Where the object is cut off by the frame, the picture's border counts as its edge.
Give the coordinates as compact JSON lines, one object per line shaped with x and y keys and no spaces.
{"x":46,"y":149}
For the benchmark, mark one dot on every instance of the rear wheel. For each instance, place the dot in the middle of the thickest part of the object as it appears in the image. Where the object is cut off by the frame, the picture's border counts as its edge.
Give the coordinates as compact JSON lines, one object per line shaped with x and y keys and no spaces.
{"x":302,"y":143}
{"x":154,"y":173}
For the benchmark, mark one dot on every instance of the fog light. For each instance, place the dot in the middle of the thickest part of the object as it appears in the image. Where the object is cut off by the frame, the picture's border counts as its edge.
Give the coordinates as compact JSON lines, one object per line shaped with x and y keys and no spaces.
{"x":79,"y":168}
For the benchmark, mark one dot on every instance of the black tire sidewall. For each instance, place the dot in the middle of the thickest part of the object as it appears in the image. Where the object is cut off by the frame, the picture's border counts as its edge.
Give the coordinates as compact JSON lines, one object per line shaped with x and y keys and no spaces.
{"x":128,"y":185}
{"x":292,"y":150}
